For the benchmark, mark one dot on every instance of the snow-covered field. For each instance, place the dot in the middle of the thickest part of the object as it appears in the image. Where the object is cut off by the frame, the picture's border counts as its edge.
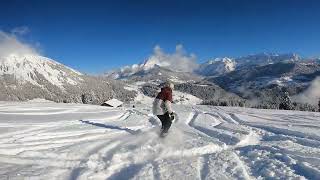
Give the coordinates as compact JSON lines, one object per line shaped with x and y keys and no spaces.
{"x":42,"y":140}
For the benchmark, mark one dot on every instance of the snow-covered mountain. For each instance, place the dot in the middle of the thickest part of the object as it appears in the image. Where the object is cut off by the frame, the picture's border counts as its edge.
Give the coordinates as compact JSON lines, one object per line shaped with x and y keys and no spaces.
{"x":38,"y":71}
{"x":266,"y":83}
{"x":177,"y":63}
{"x":151,"y":73}
{"x":220,"y":66}
{"x":154,"y":62}
{"x":266,"y":58}
{"x":261,"y":76}
{"x":152,"y":70}
{"x":24,"y":77}
{"x":217,"y":66}
{"x":149,"y":64}
{"x":128,"y":71}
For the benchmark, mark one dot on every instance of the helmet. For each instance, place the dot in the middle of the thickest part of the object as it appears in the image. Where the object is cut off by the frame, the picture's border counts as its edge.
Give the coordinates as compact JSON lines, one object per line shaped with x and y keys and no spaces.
{"x":168,"y":84}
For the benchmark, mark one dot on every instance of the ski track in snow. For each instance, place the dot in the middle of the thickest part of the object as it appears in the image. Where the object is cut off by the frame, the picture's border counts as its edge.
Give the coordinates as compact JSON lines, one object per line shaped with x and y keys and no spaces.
{"x":72,"y":141}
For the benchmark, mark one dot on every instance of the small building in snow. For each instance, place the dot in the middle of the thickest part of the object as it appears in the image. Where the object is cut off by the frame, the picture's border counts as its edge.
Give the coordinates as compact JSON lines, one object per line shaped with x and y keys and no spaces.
{"x":112,"y":103}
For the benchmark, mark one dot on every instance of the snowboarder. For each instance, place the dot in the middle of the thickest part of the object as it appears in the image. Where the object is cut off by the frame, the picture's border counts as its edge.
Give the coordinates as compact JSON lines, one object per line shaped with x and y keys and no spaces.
{"x":162,"y":107}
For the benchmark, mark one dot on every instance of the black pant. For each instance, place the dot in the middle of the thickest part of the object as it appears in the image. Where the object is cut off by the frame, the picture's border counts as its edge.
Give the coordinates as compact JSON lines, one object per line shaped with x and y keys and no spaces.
{"x":165,"y":121}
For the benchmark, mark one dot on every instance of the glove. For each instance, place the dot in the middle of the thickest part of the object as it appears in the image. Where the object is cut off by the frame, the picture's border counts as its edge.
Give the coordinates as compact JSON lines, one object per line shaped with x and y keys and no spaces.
{"x":171,"y":115}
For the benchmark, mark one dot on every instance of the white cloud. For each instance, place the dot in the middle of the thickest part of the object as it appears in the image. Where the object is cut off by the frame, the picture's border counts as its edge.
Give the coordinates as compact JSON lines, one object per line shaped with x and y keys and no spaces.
{"x":310,"y":95}
{"x":11,"y":45}
{"x":178,"y":61}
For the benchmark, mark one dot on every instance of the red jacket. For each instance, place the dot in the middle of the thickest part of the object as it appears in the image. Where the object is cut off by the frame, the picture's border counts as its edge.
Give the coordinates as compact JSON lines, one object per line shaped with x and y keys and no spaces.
{"x":162,"y":102}
{"x":165,"y":94}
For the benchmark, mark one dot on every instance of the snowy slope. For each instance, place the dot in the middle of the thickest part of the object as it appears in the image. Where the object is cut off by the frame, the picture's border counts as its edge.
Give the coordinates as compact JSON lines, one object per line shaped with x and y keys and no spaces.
{"x":179,"y":97}
{"x":72,"y":141}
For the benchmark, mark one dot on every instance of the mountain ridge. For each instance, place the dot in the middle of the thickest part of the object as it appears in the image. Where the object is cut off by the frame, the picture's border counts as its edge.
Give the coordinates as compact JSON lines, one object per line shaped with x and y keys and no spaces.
{"x":212,"y":67}
{"x":262,"y":76}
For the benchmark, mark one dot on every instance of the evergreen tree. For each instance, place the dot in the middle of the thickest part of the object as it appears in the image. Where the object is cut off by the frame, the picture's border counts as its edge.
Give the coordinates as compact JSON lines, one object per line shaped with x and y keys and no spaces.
{"x":319,"y":105}
{"x":285,"y":102}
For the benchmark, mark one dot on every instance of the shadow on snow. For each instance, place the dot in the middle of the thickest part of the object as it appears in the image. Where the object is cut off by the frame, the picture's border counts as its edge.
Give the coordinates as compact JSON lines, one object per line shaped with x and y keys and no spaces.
{"x":110,"y":127}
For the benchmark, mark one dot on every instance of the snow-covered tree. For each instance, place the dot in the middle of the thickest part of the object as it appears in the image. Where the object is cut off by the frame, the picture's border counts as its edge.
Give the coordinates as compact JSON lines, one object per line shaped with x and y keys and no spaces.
{"x":285,"y":102}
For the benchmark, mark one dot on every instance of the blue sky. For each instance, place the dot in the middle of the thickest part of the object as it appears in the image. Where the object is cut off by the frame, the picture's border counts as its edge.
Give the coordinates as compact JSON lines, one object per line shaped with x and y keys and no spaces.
{"x":96,"y":35}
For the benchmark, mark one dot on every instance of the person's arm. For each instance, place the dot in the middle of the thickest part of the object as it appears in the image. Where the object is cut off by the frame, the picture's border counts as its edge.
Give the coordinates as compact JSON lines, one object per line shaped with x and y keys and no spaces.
{"x":168,"y":101}
{"x":167,"y":105}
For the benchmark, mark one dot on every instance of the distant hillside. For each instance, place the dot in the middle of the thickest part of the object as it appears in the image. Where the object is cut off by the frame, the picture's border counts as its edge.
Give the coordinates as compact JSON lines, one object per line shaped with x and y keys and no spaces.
{"x":266,"y":83}
{"x":259,"y":78}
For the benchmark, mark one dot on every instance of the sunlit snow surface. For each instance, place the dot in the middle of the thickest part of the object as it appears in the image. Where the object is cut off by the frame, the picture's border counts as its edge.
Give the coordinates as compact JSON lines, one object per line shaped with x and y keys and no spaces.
{"x":71,"y":141}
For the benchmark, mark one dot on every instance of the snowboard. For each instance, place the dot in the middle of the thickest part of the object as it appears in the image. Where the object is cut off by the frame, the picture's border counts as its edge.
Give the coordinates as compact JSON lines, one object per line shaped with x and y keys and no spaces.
{"x":163,"y":134}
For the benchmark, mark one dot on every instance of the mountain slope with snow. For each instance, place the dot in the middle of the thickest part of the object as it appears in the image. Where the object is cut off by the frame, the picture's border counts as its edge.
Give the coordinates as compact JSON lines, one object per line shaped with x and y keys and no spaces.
{"x":217,"y":66}
{"x":258,"y":78}
{"x":221,"y":66}
{"x":158,"y":69}
{"x":262,"y":59}
{"x":26,"y":77}
{"x":73,"y":141}
{"x":266,"y":83}
{"x":36,"y":69}
{"x":178,"y":62}
{"x":151,"y":69}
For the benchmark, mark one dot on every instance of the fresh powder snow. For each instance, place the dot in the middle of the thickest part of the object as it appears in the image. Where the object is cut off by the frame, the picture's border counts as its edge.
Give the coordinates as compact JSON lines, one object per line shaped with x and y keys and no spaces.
{"x":43,"y":140}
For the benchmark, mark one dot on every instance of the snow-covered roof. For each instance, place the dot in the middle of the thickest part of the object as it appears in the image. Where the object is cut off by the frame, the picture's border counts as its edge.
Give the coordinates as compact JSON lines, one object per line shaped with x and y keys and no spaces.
{"x":114,"y":102}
